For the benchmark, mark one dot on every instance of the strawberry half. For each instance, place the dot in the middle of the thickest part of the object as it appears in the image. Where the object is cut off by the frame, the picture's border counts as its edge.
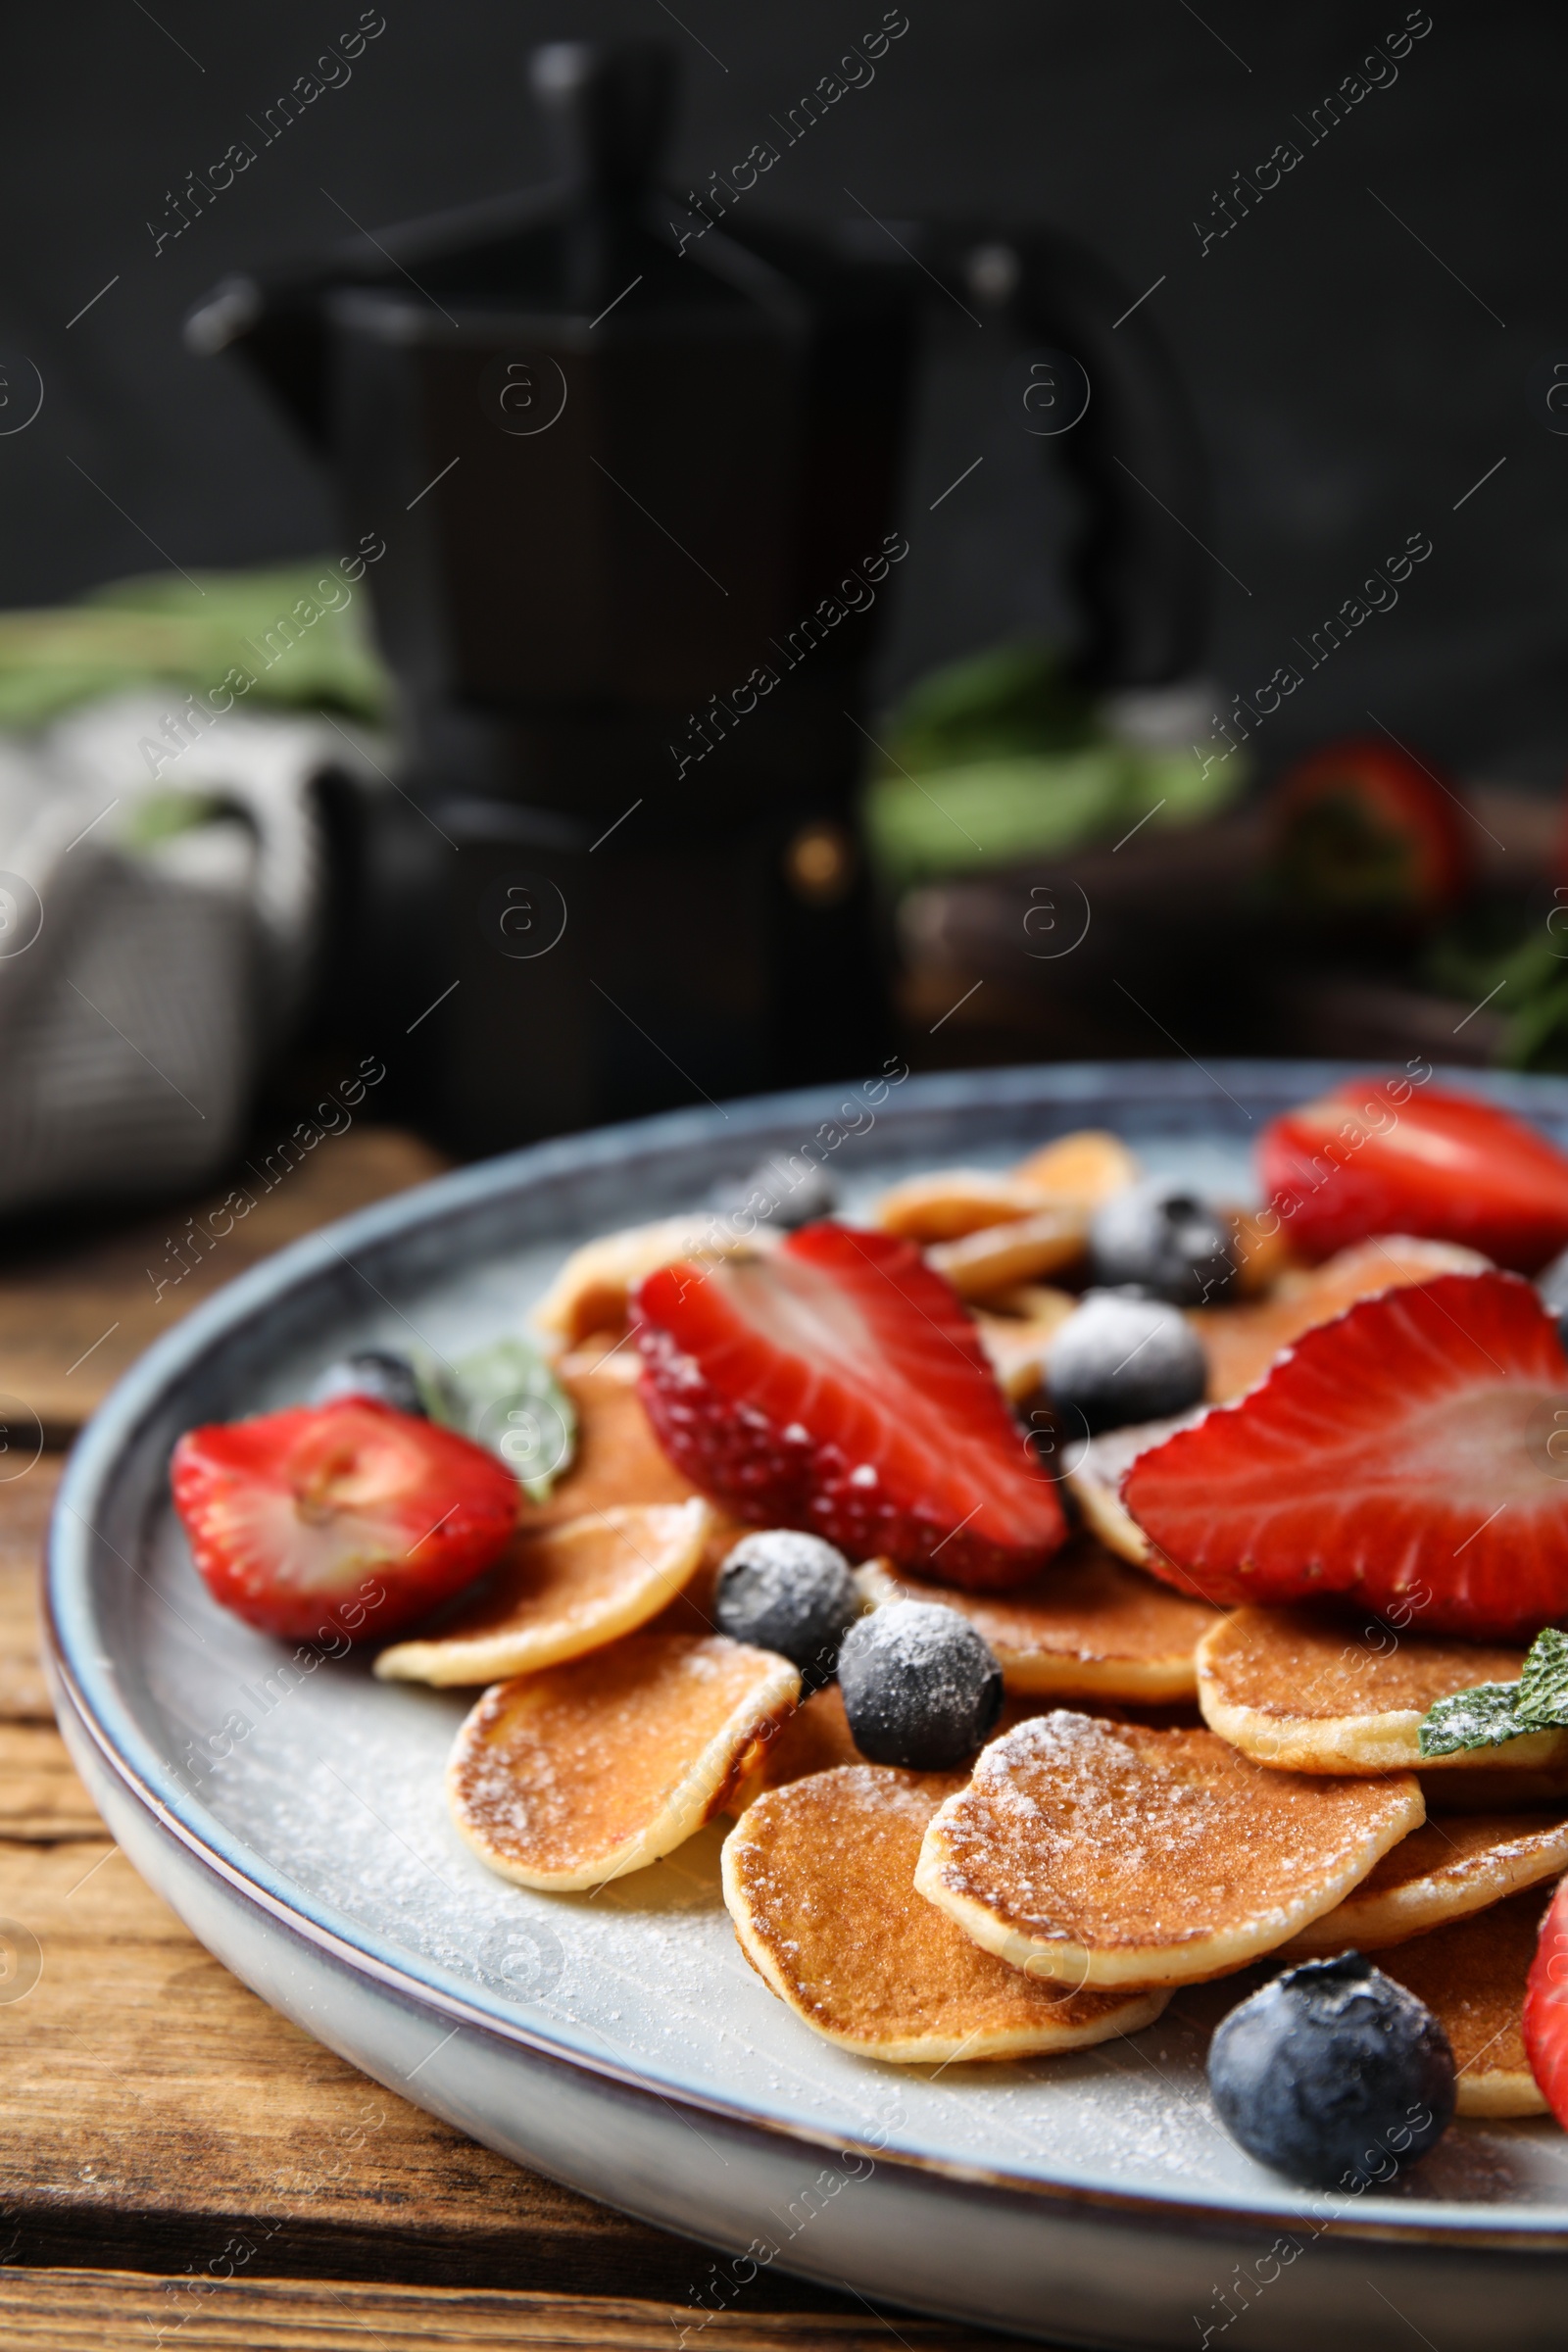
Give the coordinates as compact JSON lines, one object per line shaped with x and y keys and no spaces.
{"x":837,"y":1385}
{"x":1363,"y":828}
{"x":1546,"y":2013}
{"x":1413,"y":1454}
{"x":292,"y":1514}
{"x":1383,"y":1156}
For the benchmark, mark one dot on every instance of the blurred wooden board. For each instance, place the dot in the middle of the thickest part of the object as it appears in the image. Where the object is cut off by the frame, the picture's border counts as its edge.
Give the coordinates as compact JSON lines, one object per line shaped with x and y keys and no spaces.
{"x":73,"y":1318}
{"x":40,"y":1795}
{"x":155,"y":2107}
{"x":82,"y":2311}
{"x":24,"y":1506}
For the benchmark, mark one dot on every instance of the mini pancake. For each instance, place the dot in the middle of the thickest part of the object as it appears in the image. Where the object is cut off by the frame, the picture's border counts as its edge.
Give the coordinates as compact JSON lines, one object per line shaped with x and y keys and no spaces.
{"x":1315,"y":1691}
{"x":586,"y":1771}
{"x":818,"y":1881}
{"x":1001,"y":1257}
{"x":1262,"y":1254}
{"x":619,"y":1463}
{"x":817,"y":1738}
{"x":950,"y":1202}
{"x":601,"y":1352}
{"x":617,"y":1459}
{"x":1095,"y":1481}
{"x":1472,"y":1977}
{"x":560,"y":1592}
{"x":1454,"y":1865}
{"x":1086,"y":1166}
{"x":1110,"y":1853}
{"x":1241,"y":1342}
{"x":1017,"y":1339}
{"x":1089,"y":1626}
{"x":592,"y":1291}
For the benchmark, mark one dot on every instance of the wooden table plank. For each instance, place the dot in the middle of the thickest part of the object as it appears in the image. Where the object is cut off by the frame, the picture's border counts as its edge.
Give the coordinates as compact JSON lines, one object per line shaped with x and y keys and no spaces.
{"x":40,"y":1795}
{"x":73,"y":1317}
{"x":80,"y":2311}
{"x":154,"y":2106}
{"x":24,"y":1506}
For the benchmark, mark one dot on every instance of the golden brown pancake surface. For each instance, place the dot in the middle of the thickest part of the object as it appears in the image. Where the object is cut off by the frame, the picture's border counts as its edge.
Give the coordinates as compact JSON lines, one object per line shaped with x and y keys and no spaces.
{"x":1452,"y":1867}
{"x":1001,"y":1257}
{"x":1472,"y":1977}
{"x":619,"y":1462}
{"x":1241,"y":1342}
{"x":819,"y":1878}
{"x":617,"y":1458}
{"x":1086,"y":1166}
{"x":593,"y":1289}
{"x":817,"y":1738}
{"x":1017,"y":1340}
{"x":1111,"y":1853}
{"x":1088,"y":1626}
{"x":1319,"y":1691}
{"x":1095,"y":1467}
{"x":561,"y":1591}
{"x":950,"y":1203}
{"x":580,"y":1772}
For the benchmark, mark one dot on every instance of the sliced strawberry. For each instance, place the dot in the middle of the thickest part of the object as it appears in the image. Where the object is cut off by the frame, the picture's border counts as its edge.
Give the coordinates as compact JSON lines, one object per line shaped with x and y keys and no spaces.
{"x":292,"y":1514}
{"x":1362,"y":828}
{"x":1377,"y":1156}
{"x":837,"y":1385}
{"x":1545,"y":2016}
{"x":1412,"y":1453}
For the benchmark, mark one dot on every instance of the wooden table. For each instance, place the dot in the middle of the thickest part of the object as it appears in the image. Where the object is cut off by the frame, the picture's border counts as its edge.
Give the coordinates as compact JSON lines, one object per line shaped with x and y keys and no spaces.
{"x":180,"y":2164}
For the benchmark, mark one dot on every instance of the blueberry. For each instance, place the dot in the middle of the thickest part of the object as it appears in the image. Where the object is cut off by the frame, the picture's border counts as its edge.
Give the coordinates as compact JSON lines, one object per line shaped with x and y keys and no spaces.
{"x":1120,"y":1358}
{"x":790,"y":1592}
{"x":1332,"y":2074}
{"x":373,"y":1372}
{"x":1162,"y":1237}
{"x":781,"y":1193}
{"x":920,"y":1686}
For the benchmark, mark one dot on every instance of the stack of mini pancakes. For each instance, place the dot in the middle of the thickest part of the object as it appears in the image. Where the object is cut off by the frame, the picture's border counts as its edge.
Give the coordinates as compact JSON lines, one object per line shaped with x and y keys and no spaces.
{"x":1173,"y":1794}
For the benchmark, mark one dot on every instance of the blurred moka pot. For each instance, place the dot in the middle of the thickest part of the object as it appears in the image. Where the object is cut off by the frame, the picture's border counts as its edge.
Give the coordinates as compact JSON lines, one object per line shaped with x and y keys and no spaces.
{"x":638,"y":475}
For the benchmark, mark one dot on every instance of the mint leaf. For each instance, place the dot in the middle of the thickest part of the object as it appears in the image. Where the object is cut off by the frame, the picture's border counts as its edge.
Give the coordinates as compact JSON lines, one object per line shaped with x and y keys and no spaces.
{"x":1482,"y":1717}
{"x":1543,"y":1701}
{"x":507,"y":1398}
{"x":1493,"y":1712}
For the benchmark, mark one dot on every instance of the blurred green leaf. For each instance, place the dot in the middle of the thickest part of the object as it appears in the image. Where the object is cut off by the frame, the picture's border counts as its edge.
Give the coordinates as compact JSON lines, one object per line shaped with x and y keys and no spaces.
{"x":507,"y":1398}
{"x":1008,"y":701}
{"x":999,"y":758}
{"x":1513,"y":958}
{"x":159,"y":631}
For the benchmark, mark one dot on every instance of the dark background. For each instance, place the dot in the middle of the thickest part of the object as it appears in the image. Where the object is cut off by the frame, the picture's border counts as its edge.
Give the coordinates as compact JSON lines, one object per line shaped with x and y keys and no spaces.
{"x":1350,"y":390}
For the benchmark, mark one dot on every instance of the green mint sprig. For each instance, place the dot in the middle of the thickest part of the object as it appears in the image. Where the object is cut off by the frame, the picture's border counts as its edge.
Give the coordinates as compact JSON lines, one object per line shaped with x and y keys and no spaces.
{"x":1491,"y":1713}
{"x":507,"y":1398}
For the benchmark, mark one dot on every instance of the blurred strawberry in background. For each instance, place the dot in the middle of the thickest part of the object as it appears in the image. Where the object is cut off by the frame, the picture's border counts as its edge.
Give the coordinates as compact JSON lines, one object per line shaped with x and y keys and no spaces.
{"x":1362,"y":829}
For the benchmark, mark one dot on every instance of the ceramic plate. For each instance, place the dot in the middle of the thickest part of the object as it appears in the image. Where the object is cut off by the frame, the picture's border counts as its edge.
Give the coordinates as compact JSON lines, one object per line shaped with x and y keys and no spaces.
{"x":619,"y":2042}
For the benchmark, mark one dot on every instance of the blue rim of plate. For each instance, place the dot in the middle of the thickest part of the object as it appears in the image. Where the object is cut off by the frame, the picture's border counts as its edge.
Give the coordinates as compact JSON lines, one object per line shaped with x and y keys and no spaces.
{"x":78,"y":1682}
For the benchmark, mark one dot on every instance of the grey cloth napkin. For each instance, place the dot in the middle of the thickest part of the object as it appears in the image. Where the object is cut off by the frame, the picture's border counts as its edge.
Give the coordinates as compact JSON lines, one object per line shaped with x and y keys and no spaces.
{"x":157,"y":920}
